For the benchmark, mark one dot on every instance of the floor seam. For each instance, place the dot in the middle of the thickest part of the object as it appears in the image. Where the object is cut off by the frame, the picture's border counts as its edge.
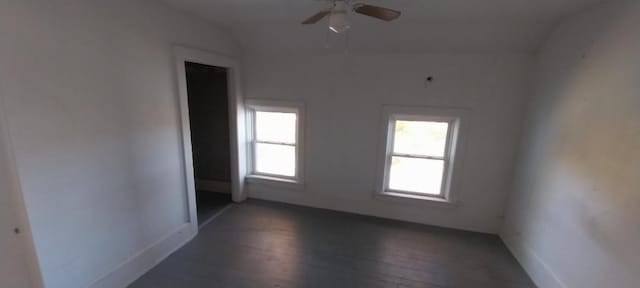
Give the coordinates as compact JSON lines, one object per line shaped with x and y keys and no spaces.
{"x":214,"y":216}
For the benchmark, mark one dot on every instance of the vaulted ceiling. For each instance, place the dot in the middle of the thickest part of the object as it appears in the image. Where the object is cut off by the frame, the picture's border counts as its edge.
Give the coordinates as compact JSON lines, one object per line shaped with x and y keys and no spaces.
{"x":425,"y":25}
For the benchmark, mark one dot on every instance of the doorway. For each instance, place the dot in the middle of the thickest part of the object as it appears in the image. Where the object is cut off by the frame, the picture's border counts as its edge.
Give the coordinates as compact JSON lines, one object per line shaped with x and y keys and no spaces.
{"x":208,"y":102}
{"x":237,"y":128}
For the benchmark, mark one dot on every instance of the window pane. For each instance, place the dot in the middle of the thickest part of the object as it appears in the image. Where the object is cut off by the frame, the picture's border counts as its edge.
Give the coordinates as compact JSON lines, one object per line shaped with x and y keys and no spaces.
{"x":276,"y":159}
{"x":276,"y":127}
{"x":420,"y":138}
{"x":416,"y":175}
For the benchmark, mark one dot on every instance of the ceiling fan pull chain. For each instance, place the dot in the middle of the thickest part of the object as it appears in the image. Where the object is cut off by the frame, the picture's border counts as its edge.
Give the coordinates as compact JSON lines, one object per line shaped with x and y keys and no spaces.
{"x":346,"y":42}
{"x":327,"y":45}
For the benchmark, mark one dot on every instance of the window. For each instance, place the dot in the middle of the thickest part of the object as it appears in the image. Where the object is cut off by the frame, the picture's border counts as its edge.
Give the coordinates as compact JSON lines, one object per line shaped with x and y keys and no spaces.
{"x":419,"y":151}
{"x":274,"y":135}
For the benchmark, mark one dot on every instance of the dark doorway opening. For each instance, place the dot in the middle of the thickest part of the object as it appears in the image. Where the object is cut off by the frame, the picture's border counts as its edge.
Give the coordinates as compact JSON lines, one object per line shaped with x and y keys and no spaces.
{"x":207,"y":89}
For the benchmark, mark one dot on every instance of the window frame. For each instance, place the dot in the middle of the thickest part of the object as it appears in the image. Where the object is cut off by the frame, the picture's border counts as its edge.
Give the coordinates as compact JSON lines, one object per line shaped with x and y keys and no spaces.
{"x":253,"y":106}
{"x":454,"y":117}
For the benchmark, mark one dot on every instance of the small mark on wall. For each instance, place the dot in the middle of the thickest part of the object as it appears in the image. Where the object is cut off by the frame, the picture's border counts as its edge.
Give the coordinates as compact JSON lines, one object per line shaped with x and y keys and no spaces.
{"x":428,"y":81}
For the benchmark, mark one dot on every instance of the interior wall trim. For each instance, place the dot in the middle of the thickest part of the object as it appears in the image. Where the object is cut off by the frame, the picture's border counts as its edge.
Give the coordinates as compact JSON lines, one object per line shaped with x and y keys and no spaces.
{"x":538,"y":270}
{"x":213,"y":186}
{"x":140,"y":263}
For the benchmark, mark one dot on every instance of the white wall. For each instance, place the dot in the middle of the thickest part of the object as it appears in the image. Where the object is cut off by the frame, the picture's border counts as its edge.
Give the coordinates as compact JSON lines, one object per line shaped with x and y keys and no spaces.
{"x":344,"y":95}
{"x":573,"y":217}
{"x":15,"y":249}
{"x":91,"y":101}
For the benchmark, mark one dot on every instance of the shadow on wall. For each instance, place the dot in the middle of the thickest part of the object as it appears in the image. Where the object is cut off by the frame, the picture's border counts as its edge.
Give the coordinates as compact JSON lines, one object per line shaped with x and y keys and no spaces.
{"x":595,"y":142}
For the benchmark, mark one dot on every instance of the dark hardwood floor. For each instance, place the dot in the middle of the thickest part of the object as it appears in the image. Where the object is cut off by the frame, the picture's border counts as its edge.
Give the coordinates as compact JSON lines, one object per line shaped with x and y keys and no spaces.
{"x":265,"y":244}
{"x":209,"y":204}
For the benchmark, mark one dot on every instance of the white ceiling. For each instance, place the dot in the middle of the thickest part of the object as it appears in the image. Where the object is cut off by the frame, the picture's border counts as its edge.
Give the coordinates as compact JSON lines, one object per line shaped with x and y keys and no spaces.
{"x":425,"y":25}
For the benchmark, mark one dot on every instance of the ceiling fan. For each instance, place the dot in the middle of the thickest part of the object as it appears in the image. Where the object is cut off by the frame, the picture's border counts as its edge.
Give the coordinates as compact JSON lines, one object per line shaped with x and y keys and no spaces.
{"x":338,"y":21}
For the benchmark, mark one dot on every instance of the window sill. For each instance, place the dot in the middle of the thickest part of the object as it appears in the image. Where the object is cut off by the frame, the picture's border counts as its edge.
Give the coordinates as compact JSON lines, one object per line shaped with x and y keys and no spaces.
{"x":415,"y":199}
{"x":274,"y":181}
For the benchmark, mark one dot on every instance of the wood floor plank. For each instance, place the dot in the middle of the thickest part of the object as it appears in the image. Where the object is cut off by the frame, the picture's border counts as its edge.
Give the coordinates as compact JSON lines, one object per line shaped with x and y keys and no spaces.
{"x":266,"y":244}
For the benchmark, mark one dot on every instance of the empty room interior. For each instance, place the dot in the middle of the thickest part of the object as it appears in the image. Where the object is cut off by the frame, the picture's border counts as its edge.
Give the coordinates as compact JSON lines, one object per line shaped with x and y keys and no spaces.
{"x":320,"y":143}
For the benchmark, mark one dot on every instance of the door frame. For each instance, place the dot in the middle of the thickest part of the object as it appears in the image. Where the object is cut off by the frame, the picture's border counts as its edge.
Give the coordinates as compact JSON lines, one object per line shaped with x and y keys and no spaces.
{"x":236,"y":123}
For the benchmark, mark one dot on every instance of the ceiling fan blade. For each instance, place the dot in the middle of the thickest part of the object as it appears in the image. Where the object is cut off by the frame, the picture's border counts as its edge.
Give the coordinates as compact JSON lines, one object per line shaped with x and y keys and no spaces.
{"x":315,"y":18}
{"x":381,"y":13}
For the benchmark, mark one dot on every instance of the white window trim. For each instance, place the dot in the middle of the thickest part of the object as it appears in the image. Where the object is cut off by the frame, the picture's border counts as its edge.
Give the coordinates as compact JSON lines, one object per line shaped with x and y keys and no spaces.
{"x":274,"y":106}
{"x":456,"y":118}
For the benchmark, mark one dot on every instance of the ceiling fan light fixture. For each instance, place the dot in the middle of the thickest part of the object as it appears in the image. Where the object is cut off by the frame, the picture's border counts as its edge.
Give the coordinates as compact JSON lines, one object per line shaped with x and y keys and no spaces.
{"x":338,"y":20}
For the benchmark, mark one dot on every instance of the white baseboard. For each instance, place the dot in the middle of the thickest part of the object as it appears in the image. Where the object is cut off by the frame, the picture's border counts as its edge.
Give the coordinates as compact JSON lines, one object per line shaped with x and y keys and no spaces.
{"x":538,"y":270}
{"x":370,"y":207}
{"x":139,"y":264}
{"x":214,"y":186}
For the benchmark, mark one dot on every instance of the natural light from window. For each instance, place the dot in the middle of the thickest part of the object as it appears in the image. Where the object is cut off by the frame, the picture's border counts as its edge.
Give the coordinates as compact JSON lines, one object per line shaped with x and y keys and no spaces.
{"x":418,"y":157}
{"x":275,"y":143}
